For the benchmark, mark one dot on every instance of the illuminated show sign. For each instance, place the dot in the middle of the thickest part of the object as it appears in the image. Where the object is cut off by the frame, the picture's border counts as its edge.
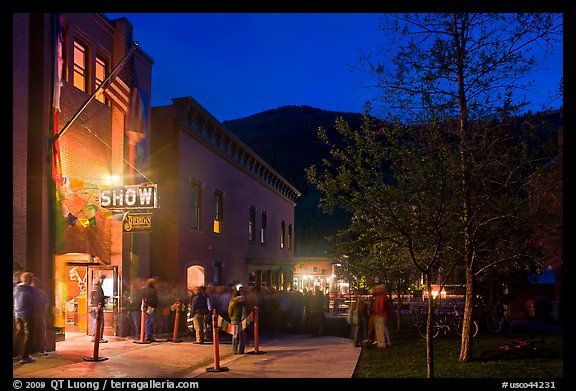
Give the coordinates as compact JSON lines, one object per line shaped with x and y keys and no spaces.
{"x":129,"y":197}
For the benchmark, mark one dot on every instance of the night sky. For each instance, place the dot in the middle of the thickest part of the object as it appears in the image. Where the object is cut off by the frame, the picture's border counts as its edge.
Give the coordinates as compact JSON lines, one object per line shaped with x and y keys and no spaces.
{"x":238,"y":64}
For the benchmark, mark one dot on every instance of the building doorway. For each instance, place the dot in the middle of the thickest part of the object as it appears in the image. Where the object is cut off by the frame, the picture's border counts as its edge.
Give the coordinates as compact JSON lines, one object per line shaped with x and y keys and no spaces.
{"x":75,"y":275}
{"x":195,"y":277}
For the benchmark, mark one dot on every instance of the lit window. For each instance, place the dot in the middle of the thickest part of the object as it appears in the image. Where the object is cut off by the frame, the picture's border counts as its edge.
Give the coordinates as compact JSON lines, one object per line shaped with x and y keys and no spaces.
{"x":263,"y":229}
{"x":99,"y":77}
{"x":282,"y":234}
{"x":218,"y":209}
{"x":79,"y":66}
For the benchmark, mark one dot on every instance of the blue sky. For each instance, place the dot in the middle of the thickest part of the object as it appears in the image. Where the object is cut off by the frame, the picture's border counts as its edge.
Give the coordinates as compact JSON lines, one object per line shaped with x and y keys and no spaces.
{"x":239,"y":64}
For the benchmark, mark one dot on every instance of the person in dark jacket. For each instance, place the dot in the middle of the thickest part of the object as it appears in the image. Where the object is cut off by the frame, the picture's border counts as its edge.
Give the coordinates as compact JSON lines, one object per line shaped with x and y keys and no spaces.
{"x":40,"y":318}
{"x":149,"y":293}
{"x":97,"y":298}
{"x":199,"y":309}
{"x":24,"y":311}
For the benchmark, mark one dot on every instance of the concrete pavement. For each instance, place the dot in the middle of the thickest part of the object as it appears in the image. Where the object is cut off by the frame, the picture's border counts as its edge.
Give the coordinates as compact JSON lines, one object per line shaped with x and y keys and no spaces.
{"x":282,"y":356}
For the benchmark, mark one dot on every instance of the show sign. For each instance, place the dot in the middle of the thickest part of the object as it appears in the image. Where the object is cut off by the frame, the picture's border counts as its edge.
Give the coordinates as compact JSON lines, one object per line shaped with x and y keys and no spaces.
{"x":129,"y":197}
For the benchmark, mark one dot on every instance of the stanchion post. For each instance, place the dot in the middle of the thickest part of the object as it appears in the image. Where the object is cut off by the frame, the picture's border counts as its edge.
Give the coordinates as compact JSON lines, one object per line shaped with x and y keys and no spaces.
{"x":143,"y":309}
{"x":216,"y":367}
{"x":256,"y":334}
{"x":97,"y":337}
{"x":176,"y":323}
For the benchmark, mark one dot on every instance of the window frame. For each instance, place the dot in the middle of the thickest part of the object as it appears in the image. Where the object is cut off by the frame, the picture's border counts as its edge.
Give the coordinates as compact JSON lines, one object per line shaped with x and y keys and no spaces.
{"x":195,"y":208}
{"x":218,"y":212}
{"x":80,"y":73}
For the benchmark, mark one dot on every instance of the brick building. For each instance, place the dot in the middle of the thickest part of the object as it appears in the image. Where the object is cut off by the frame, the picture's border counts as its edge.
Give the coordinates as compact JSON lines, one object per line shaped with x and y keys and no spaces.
{"x":60,"y":233}
{"x":226,"y":216}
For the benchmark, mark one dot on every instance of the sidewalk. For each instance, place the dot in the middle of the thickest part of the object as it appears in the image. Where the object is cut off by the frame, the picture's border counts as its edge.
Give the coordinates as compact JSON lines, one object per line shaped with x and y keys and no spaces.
{"x":285,"y":356}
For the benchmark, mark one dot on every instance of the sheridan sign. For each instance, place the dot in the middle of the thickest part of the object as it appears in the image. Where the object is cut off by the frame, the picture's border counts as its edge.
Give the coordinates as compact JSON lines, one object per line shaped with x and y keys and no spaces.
{"x":129,"y":197}
{"x":137,"y":222}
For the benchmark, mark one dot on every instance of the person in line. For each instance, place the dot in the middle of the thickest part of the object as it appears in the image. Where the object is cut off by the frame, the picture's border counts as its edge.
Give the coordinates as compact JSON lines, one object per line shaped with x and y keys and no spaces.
{"x":381,"y":311}
{"x":200,"y":310}
{"x":317,"y":306}
{"x":236,"y":311}
{"x":358,"y":319}
{"x":149,"y":293}
{"x":134,"y":306}
{"x":24,"y":310}
{"x":97,"y":298}
{"x":40,"y":325}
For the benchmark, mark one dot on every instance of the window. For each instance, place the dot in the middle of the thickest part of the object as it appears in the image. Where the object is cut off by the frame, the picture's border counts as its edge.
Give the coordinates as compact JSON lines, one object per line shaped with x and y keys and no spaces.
{"x":218,"y":210}
{"x":195,"y":205}
{"x":263,"y":228}
{"x":252,"y":224}
{"x":217,"y":272}
{"x":99,"y":77}
{"x":282,"y":234}
{"x":290,"y":237}
{"x":80,"y":66}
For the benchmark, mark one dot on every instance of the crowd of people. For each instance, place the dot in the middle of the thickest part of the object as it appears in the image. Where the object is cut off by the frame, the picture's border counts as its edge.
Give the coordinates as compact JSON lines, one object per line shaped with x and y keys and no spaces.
{"x":279,"y":311}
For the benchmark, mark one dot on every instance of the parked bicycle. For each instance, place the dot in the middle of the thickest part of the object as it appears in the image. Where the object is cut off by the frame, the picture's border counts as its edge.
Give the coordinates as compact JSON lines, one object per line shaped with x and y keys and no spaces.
{"x":445,"y":323}
{"x":494,"y":317}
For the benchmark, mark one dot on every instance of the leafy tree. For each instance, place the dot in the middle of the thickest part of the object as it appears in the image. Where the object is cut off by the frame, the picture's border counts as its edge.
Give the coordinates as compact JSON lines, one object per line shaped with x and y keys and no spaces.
{"x":396,"y":182}
{"x":465,"y":70}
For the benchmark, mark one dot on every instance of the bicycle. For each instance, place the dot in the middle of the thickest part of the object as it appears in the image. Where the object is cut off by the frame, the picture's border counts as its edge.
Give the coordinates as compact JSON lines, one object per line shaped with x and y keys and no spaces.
{"x":494,"y":317}
{"x":446,"y":323}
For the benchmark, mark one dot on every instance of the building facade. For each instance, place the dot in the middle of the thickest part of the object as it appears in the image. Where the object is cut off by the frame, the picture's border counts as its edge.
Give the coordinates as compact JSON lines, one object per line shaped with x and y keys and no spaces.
{"x":314,"y":272}
{"x":70,"y":141}
{"x":225,"y":216}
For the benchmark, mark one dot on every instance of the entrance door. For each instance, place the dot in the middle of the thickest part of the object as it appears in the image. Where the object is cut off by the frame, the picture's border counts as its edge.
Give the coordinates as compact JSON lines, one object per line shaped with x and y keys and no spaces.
{"x":78,"y":284}
{"x":108,"y":277}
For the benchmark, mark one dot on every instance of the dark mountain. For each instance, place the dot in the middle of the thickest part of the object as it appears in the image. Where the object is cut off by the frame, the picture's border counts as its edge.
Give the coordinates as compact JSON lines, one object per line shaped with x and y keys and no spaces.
{"x":286,"y":139}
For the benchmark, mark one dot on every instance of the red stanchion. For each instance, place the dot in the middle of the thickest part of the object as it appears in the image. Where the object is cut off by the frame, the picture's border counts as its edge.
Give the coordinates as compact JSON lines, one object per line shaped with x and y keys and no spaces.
{"x":256,"y":334}
{"x":216,"y":367}
{"x":176,"y":323}
{"x":97,"y":337}
{"x":143,"y":309}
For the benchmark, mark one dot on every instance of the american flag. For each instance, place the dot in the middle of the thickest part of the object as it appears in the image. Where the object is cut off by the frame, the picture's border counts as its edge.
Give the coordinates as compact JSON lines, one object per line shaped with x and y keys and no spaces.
{"x":119,"y":93}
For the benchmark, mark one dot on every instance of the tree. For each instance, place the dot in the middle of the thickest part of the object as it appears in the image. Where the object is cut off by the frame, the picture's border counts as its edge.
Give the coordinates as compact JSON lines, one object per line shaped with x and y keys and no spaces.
{"x":465,"y":71}
{"x":396,"y":182}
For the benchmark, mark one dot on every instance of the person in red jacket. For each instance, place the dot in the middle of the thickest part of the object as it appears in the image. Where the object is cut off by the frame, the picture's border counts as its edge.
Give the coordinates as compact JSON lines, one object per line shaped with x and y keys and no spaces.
{"x":381,"y":308}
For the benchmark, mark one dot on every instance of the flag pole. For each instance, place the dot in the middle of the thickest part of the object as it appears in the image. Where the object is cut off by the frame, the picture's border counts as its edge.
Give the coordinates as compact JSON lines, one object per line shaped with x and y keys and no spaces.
{"x":104,"y":84}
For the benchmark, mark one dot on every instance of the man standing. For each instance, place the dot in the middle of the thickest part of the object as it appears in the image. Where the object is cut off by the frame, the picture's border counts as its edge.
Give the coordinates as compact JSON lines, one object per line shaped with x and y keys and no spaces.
{"x":236,"y":310}
{"x":24,"y":311}
{"x":381,"y":314}
{"x":150,"y":294}
{"x":97,"y":298}
{"x":199,"y":310}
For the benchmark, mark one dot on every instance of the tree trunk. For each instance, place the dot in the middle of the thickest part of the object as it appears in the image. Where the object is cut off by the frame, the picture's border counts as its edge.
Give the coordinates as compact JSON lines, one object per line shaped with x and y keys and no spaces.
{"x":468,"y":318}
{"x":399,"y":307}
{"x":429,"y":338}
